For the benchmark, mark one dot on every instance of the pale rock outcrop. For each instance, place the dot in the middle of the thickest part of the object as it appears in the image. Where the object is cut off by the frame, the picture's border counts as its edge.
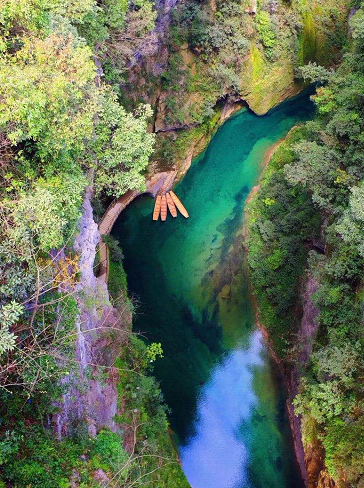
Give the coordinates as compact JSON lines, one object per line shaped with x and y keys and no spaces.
{"x":90,"y":396}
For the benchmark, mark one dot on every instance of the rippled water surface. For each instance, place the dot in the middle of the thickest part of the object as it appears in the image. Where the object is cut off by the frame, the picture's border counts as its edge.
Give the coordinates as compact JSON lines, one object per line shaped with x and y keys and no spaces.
{"x":227,"y":404}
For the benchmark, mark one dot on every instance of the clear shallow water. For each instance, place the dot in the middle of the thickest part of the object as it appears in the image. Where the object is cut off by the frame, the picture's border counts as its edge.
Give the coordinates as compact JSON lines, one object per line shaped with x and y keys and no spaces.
{"x":227,"y":404}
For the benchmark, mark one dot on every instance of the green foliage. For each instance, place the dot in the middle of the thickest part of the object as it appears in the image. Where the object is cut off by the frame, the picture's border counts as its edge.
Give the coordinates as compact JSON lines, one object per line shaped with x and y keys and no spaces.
{"x":357,"y":25}
{"x":107,"y":446}
{"x":117,"y":280}
{"x":308,"y":39}
{"x":123,"y":148}
{"x":48,"y":95}
{"x":280,"y":222}
{"x":315,"y":170}
{"x":154,"y":351}
{"x":74,"y":10}
{"x":118,"y":287}
{"x":114,"y":247}
{"x":115,"y":11}
{"x":9,"y":446}
{"x":141,"y":395}
{"x":9,"y":315}
{"x":32,"y":457}
{"x":325,"y":165}
{"x":48,"y":463}
{"x":344,"y":444}
{"x":351,"y":225}
{"x":46,"y":215}
{"x":31,"y":14}
{"x":266,"y":32}
{"x":313,"y":73}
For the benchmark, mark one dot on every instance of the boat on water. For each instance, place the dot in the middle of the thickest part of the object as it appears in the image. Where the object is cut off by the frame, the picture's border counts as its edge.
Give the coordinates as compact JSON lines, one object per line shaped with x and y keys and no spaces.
{"x":171,"y":205}
{"x":164,"y":208}
{"x":179,"y":204}
{"x":157,"y":207}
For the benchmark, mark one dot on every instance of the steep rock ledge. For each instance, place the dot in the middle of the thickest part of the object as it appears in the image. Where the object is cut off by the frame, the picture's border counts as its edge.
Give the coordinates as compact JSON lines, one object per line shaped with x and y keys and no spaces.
{"x":314,"y":453}
{"x":182,"y":112}
{"x":101,"y":331}
{"x":306,"y":334}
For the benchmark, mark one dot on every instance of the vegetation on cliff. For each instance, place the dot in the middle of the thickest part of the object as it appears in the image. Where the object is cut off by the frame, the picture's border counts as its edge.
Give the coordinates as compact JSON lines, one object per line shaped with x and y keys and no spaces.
{"x":314,"y":192}
{"x":62,"y":128}
{"x":219,"y":51}
{"x":70,"y":73}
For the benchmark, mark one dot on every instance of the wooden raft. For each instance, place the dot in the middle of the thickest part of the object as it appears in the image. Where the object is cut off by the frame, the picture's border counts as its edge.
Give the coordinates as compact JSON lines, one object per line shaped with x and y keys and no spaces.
{"x":164,"y":208}
{"x":168,"y":201}
{"x":157,"y":207}
{"x":179,"y":205}
{"x":171,"y":205}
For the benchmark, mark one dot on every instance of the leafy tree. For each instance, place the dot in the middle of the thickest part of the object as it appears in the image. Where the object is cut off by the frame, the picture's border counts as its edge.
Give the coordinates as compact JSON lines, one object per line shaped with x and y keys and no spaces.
{"x":265,"y":29}
{"x":351,"y":224}
{"x":338,"y":361}
{"x":322,"y":400}
{"x":46,"y":215}
{"x":357,"y":25}
{"x":107,"y":446}
{"x":48,"y":96}
{"x":9,"y":315}
{"x":315,"y":170}
{"x":154,"y":351}
{"x":313,"y":72}
{"x":123,"y":148}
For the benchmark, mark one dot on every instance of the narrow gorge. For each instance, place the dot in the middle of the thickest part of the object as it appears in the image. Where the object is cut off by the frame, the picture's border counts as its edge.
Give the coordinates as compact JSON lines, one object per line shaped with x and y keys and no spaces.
{"x":227,"y":400}
{"x":224,"y":350}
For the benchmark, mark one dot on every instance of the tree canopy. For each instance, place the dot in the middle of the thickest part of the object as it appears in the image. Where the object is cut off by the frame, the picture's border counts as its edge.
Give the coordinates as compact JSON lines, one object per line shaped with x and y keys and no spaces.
{"x":326,"y":164}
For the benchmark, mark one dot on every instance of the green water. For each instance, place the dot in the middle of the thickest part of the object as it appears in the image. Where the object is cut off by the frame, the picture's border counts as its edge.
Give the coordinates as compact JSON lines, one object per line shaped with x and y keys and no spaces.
{"x":190,"y":282}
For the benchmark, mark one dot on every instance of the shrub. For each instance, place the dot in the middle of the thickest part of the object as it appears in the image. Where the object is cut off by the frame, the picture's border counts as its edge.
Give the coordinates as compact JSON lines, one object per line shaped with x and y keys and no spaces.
{"x":108,"y":448}
{"x":265,"y":29}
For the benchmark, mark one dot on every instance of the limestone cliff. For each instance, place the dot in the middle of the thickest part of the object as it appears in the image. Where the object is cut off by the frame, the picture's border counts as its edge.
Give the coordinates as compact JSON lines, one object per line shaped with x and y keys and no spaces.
{"x":109,"y":385}
{"x":203,"y":56}
{"x":311,"y":455}
{"x":90,"y":397}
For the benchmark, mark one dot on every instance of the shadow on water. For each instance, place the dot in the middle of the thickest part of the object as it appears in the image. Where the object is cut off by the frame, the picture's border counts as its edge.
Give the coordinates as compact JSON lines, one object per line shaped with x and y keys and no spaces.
{"x":227,"y":406}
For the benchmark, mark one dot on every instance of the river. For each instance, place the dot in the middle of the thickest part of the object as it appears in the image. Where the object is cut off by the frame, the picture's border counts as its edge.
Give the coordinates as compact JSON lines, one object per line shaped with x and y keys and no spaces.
{"x":191,"y":287}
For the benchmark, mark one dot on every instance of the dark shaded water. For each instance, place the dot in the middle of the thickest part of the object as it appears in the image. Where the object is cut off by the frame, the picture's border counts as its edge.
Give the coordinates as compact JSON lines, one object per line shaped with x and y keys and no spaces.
{"x":227,"y":405}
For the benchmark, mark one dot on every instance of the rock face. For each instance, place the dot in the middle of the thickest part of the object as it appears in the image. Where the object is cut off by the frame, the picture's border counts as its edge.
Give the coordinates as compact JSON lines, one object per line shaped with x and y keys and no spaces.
{"x":151,"y":59}
{"x":306,"y":336}
{"x":308,"y":326}
{"x":86,"y":241}
{"x":318,"y":476}
{"x":186,"y":104}
{"x":311,"y":457}
{"x":91,"y":395}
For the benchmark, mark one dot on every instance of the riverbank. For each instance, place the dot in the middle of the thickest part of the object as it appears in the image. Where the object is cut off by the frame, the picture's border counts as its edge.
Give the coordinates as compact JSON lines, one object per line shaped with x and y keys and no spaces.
{"x":289,"y":375}
{"x":293,"y":356}
{"x":235,"y":264}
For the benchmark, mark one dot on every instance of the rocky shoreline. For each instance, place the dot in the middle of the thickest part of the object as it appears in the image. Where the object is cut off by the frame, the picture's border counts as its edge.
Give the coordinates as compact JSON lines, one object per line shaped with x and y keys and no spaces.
{"x":310,"y":458}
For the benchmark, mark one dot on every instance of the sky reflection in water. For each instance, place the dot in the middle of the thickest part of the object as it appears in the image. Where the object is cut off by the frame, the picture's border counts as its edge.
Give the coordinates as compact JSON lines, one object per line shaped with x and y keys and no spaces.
{"x":224,"y":403}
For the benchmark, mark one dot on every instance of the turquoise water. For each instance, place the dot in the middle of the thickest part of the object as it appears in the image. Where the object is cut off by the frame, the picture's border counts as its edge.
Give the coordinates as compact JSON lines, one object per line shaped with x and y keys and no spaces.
{"x":189,"y":280}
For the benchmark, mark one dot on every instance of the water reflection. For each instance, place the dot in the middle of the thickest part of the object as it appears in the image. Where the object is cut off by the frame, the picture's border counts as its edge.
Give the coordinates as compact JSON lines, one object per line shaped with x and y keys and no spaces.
{"x":224,"y":403}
